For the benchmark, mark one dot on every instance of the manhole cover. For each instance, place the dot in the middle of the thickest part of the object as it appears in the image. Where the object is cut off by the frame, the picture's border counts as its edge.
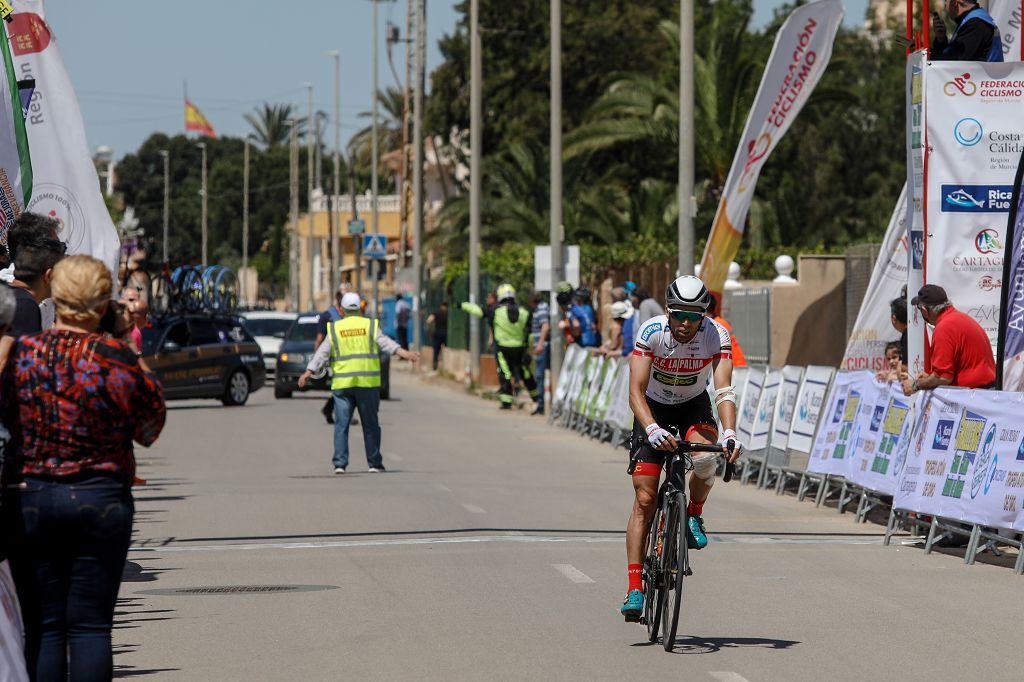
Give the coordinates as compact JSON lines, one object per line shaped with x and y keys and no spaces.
{"x":238,"y":589}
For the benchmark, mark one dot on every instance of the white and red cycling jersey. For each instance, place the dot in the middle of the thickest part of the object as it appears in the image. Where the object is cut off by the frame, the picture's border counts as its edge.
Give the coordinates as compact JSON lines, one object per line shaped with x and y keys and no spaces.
{"x":680,"y":371}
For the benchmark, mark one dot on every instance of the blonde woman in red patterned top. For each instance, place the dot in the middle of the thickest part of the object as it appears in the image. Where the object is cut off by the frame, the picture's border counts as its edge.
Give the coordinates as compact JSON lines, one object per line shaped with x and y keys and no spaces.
{"x":75,"y":399}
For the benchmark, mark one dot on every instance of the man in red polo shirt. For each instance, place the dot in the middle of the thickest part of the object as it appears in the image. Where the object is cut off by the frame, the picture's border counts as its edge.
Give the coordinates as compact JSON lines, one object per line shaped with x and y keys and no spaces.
{"x":961,"y":351}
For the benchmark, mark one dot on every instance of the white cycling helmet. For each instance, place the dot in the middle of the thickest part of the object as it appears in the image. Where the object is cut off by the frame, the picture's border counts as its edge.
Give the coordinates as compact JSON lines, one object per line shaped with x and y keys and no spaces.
{"x":687,"y":291}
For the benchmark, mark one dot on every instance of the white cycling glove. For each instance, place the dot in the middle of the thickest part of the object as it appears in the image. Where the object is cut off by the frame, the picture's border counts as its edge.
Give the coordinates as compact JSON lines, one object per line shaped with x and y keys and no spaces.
{"x":657,"y":435}
{"x":730,"y":435}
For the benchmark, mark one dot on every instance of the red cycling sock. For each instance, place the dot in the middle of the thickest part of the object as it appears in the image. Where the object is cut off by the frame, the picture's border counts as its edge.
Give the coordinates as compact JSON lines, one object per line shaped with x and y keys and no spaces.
{"x":635,"y":572}
{"x":694,"y":508}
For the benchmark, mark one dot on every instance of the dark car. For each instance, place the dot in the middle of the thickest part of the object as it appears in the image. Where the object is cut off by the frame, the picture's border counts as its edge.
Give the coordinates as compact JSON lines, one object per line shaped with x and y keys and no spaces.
{"x":204,"y":356}
{"x":296,"y":352}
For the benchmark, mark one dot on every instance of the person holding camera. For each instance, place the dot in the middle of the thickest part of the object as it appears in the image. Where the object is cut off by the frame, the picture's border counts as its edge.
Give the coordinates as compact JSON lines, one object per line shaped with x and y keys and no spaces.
{"x":975,"y":38}
{"x":75,"y":399}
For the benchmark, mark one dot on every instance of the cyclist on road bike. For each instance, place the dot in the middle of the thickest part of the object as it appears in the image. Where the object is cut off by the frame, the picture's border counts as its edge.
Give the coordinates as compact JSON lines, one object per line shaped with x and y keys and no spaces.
{"x":673,"y":358}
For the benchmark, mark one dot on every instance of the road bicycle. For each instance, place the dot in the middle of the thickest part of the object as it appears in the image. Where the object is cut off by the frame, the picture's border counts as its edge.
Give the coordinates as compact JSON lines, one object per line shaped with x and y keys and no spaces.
{"x":667,"y":560}
{"x":194,"y":289}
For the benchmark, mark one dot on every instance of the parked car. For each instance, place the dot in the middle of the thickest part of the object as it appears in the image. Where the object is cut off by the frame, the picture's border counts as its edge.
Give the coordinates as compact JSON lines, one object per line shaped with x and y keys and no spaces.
{"x":204,"y":356}
{"x":296,"y":352}
{"x":269,"y":328}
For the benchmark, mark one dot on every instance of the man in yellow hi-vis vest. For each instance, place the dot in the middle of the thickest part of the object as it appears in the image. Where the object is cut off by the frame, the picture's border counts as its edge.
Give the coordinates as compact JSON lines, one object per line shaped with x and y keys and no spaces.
{"x":353,"y":346}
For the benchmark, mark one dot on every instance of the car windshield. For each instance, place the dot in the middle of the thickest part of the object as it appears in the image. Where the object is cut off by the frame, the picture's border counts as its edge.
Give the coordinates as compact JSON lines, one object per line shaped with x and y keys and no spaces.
{"x":268,"y":326}
{"x":304,"y":329}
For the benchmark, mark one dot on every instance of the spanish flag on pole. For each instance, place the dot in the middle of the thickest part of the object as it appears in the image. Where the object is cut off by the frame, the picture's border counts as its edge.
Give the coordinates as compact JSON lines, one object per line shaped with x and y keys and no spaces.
{"x":196,"y":122}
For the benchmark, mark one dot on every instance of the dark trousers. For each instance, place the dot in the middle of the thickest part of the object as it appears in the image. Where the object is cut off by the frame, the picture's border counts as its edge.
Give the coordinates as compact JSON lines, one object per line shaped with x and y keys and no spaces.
{"x":514,"y":364}
{"x":69,"y":542}
{"x":541,"y":365}
{"x":403,"y":337}
{"x":367,"y":402}
{"x":437,"y":340}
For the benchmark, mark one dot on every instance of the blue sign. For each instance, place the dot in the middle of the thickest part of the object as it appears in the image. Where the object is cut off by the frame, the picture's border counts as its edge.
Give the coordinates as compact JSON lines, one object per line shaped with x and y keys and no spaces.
{"x":356,"y":226}
{"x":375,"y":246}
{"x":976,"y":198}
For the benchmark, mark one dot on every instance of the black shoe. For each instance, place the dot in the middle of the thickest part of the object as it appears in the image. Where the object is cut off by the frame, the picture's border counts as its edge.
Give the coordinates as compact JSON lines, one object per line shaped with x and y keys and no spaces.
{"x":537,"y":410}
{"x":506,"y":406}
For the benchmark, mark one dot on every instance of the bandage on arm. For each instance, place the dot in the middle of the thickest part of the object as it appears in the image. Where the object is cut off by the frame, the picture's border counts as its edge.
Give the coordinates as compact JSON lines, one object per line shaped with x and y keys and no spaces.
{"x":726,"y":394}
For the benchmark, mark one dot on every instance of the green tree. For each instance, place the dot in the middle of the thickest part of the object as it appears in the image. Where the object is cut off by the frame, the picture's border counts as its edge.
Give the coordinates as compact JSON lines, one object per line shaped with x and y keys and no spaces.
{"x":271,"y":124}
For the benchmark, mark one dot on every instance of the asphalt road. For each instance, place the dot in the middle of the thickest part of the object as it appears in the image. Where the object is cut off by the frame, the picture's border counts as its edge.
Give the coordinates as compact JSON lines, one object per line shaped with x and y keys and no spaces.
{"x":492,"y":549}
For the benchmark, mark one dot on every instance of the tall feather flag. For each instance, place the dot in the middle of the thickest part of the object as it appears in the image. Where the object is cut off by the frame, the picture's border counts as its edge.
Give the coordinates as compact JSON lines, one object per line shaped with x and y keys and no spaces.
{"x":15,"y":162}
{"x":196,"y":122}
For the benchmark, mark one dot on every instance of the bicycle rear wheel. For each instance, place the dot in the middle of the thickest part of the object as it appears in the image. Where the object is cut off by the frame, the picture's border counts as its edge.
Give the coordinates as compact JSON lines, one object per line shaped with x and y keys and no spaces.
{"x":652,"y":577}
{"x":675,"y":569}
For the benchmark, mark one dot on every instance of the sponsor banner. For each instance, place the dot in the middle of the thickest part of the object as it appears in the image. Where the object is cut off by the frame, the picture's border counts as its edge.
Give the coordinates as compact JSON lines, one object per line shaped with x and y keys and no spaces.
{"x":15,"y":164}
{"x":64,"y":181}
{"x":619,"y":415}
{"x":873,"y":328}
{"x":884,"y":434}
{"x":565,"y":375}
{"x":802,"y":49}
{"x":966,"y":458}
{"x":1007,"y":14}
{"x":853,"y":395}
{"x":765,"y":411}
{"x":975,"y":140}
{"x":809,"y":401}
{"x":604,"y":393}
{"x":916,"y":77}
{"x":785,"y":406}
{"x":1010,"y":358}
{"x":12,"y":653}
{"x":747,"y":412}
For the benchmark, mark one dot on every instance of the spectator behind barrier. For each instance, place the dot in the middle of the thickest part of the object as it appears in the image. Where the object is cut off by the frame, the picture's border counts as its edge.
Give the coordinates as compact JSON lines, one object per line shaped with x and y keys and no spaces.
{"x":975,"y":38}
{"x":738,"y":358}
{"x":646,"y":307}
{"x":961,"y":353}
{"x":893,"y":367}
{"x":898,"y":318}
{"x":65,"y":464}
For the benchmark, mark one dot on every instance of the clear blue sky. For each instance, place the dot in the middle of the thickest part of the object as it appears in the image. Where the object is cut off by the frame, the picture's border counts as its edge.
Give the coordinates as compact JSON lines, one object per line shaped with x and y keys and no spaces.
{"x":128,"y":59}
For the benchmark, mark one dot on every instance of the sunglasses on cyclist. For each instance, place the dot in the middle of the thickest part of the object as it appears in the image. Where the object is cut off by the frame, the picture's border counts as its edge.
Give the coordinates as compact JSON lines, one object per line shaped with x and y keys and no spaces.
{"x":686,"y":316}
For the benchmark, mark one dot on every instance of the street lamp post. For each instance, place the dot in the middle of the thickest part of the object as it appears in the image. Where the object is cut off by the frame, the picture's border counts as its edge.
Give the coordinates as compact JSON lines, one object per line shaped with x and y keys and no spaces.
{"x":555,"y":227}
{"x":687,"y":204}
{"x":335,"y":213}
{"x":245,"y":219}
{"x":417,"y":173}
{"x":474,"y":180}
{"x":310,"y":123}
{"x":293,"y":241}
{"x":167,"y":198}
{"x":203,"y":193}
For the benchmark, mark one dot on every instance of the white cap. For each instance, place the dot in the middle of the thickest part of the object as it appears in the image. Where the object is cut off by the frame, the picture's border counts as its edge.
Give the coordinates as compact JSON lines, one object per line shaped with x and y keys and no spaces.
{"x":351,"y":301}
{"x":622,"y":310}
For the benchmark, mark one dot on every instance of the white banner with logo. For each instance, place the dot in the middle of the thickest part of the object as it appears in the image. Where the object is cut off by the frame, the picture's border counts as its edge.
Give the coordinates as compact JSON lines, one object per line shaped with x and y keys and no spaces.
{"x":573,"y":354}
{"x":853,"y":395}
{"x":973,"y":114}
{"x":785,"y":406}
{"x":884,"y":433}
{"x":65,"y":185}
{"x":809,"y":401}
{"x":916,"y":77}
{"x":1007,"y":14}
{"x":873,"y":328}
{"x":747,"y":413}
{"x":765,"y":411}
{"x":966,"y":458}
{"x":619,"y":415}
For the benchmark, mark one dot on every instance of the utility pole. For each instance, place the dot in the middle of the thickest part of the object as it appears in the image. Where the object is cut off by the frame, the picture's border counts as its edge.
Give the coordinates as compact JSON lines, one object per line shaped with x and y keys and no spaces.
{"x":202,"y":193}
{"x":310,"y":123}
{"x":167,"y":197}
{"x":687,"y":204}
{"x":375,"y":151}
{"x":474,"y":182}
{"x":555,"y":228}
{"x":293,"y":242}
{"x":336,"y":187}
{"x":412,"y":7}
{"x":355,"y":216}
{"x":245,"y":217}
{"x":417,"y":175}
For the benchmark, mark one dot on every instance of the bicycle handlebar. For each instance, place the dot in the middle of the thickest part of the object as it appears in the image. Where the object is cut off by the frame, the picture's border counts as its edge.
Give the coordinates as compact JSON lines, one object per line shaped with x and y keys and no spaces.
{"x":687,"y":446}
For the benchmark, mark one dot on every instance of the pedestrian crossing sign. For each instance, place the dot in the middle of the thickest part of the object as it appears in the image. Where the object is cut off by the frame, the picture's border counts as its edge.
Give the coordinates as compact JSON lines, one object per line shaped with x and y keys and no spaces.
{"x":375,"y":246}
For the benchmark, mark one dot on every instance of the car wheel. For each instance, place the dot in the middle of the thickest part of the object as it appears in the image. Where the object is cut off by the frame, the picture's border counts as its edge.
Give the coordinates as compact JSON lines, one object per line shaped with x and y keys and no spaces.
{"x":237,"y":391}
{"x":280,"y":393}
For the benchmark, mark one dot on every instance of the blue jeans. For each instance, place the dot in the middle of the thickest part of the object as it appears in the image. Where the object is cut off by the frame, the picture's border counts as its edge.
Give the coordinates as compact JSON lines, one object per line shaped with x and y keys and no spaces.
{"x":367,"y":401}
{"x":68,"y":545}
{"x":541,"y":364}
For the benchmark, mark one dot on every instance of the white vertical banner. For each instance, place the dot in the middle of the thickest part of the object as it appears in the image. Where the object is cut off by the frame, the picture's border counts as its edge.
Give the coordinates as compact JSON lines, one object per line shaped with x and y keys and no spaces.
{"x":915,"y":207}
{"x":765,"y":411}
{"x":973,"y":114}
{"x":884,"y":432}
{"x":12,"y":648}
{"x":65,"y":184}
{"x":853,"y":395}
{"x":1007,"y":14}
{"x":809,"y":401}
{"x":747,"y":410}
{"x":966,"y":458}
{"x":785,"y":406}
{"x":873,"y":328}
{"x":565,"y":375}
{"x":619,"y":415}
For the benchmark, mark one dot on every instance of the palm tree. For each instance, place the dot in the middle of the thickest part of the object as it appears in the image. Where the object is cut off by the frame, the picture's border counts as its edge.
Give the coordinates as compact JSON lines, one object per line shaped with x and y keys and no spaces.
{"x":389,"y":128}
{"x":271,"y":124}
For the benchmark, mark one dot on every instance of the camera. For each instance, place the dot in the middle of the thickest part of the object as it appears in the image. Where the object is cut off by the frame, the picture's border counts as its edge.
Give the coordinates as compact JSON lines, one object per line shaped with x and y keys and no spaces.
{"x":113,"y":321}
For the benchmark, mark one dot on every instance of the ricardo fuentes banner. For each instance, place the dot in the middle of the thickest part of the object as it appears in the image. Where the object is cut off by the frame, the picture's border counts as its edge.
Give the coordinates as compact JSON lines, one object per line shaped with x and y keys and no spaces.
{"x":975,"y":128}
{"x":798,"y":59}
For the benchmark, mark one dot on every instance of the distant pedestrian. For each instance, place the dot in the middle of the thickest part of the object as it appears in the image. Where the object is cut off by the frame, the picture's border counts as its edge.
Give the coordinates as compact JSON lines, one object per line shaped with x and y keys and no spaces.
{"x":563,"y":296}
{"x":68,"y":506}
{"x":403,"y":312}
{"x":353,"y":346}
{"x":540,"y":338}
{"x":622,"y":314}
{"x":961,"y":353}
{"x":583,"y":320}
{"x":511,"y":326}
{"x":438,"y":324}
{"x":646,"y":307}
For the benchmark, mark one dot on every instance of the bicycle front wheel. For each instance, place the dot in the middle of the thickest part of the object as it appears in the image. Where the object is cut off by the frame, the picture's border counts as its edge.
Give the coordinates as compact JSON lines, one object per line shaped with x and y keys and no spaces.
{"x":675,"y":569}
{"x":652,"y":576}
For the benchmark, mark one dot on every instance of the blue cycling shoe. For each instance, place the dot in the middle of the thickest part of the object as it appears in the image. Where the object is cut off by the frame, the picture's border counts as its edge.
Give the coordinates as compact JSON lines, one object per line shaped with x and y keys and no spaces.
{"x":696,"y":538}
{"x":633,"y":606}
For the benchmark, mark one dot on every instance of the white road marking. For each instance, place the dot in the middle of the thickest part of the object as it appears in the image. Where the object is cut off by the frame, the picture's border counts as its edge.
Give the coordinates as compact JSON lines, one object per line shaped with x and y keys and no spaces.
{"x":728,"y":676}
{"x":442,"y":487}
{"x":473,"y":509}
{"x":572,"y":573}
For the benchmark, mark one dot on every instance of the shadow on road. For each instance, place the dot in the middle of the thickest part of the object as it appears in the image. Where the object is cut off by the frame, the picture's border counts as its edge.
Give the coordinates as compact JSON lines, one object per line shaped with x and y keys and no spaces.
{"x":694,"y":644}
{"x":388,"y":533}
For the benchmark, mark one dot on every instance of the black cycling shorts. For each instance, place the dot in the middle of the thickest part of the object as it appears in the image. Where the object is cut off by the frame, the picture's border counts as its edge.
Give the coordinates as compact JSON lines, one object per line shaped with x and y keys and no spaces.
{"x":692,"y":415}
